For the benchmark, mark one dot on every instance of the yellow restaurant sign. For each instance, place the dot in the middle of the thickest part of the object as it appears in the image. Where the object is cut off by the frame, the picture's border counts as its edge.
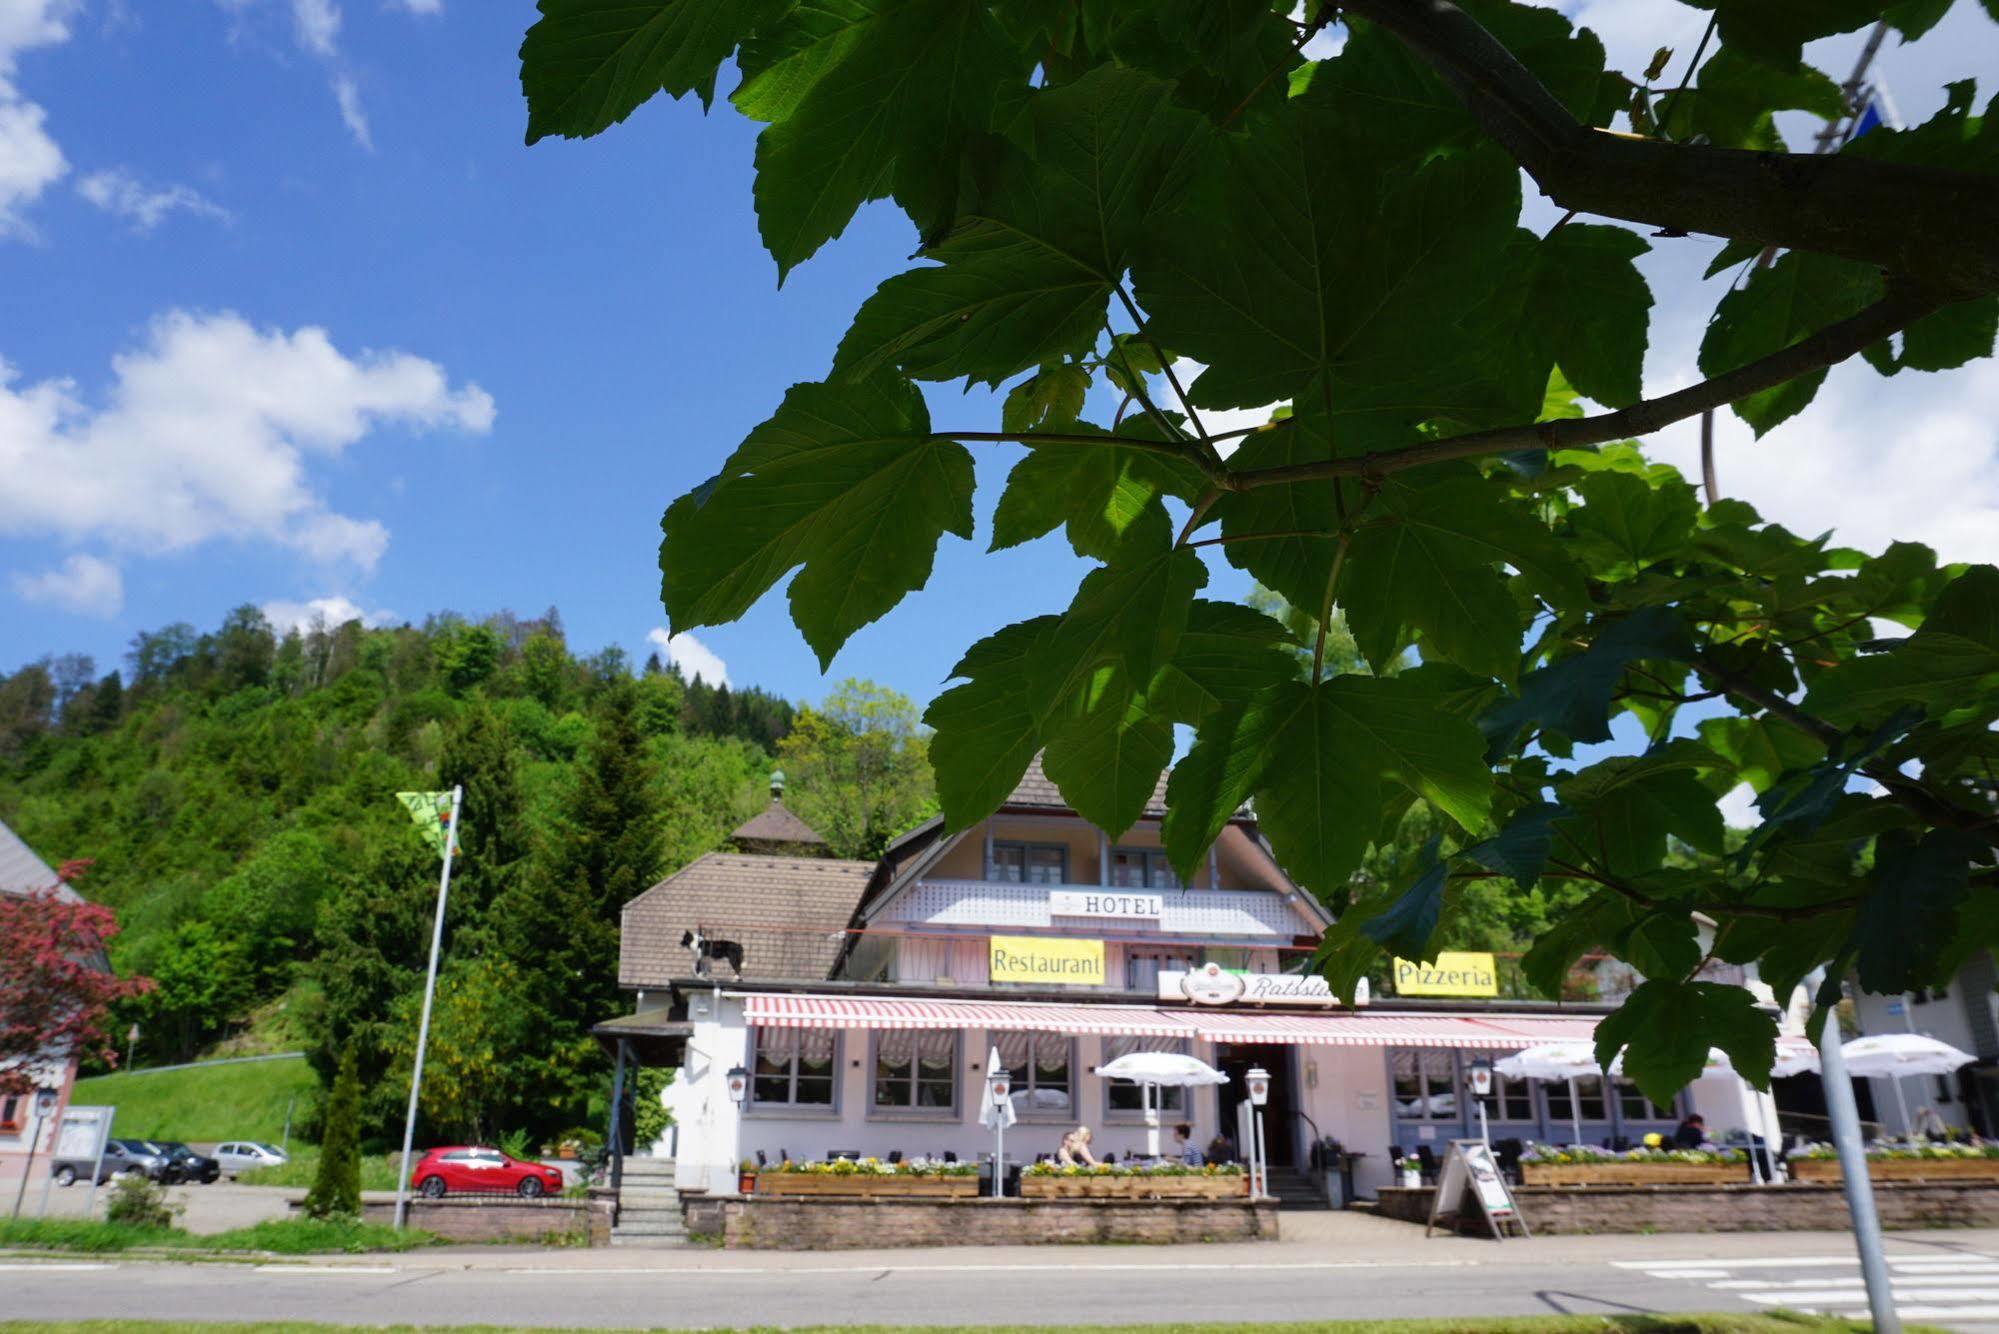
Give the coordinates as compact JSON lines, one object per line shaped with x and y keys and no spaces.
{"x":1452,"y":974}
{"x":1066,"y":963}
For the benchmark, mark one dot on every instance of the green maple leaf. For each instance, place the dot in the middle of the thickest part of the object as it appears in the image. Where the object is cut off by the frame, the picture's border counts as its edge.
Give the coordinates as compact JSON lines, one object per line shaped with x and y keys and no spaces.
{"x":1130,"y":612}
{"x":1910,"y":913}
{"x":1106,"y":750}
{"x":1288,"y":258}
{"x":1052,"y":396}
{"x":845,"y":480}
{"x":1792,"y":299}
{"x":1320,"y":761}
{"x":988,"y":729}
{"x":1572,"y":695}
{"x":1588,"y":306}
{"x":889,"y":114}
{"x":1425,"y":557}
{"x":1628,"y":523}
{"x":1665,"y":1028}
{"x":1098,"y":491}
{"x":1735,"y":101}
{"x":1951,"y":662}
{"x":1775,"y":31}
{"x":1625,"y":806}
{"x":782,"y":62}
{"x":588,"y":64}
{"x":1027,"y":273}
{"x":1405,"y":926}
{"x":1228,"y":655}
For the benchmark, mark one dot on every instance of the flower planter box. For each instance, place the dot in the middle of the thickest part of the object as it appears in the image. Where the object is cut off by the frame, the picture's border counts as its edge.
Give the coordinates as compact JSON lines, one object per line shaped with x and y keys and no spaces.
{"x":1631,"y":1174}
{"x":1901,"y":1169}
{"x":1134,"y":1188}
{"x":859,"y":1186}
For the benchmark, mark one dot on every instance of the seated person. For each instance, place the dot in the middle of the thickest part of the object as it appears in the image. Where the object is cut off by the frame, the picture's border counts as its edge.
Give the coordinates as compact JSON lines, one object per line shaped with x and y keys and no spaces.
{"x":1184,"y":1148}
{"x":1221,"y":1149}
{"x":1691,"y":1133}
{"x":1074,"y":1150}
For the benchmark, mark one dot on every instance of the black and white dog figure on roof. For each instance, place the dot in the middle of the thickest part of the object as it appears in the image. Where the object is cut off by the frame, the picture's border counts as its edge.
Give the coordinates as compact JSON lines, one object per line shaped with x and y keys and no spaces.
{"x":706,"y":951}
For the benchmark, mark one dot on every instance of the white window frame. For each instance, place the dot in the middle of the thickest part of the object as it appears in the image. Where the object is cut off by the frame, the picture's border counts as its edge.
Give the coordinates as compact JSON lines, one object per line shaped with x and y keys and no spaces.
{"x":1175,"y":1104}
{"x":1151,"y":856}
{"x":1024,"y":1081}
{"x":791,"y":1110}
{"x":1025,"y":847}
{"x":878,"y":1112}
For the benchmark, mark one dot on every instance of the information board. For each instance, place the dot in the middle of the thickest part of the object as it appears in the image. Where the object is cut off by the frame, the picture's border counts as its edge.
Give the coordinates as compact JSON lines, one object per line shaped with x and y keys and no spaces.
{"x":1469,"y":1178}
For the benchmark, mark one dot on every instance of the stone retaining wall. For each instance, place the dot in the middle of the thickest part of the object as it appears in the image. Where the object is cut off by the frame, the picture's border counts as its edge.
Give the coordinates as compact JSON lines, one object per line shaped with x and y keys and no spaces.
{"x":476,"y":1218}
{"x":1794,"y":1207}
{"x":821,"y":1224}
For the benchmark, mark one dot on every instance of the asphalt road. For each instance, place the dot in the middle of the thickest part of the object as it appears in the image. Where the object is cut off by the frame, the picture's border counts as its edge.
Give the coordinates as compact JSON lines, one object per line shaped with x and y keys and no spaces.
{"x":826,"y":1289}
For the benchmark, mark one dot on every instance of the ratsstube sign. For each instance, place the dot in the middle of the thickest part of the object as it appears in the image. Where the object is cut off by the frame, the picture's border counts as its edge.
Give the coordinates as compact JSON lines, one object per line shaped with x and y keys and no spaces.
{"x":1453,"y":973}
{"x":1062,"y":963}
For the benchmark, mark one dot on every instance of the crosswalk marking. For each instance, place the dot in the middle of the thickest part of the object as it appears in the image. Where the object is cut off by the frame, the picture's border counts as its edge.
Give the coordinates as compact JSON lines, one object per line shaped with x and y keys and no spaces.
{"x":1955,"y":1286}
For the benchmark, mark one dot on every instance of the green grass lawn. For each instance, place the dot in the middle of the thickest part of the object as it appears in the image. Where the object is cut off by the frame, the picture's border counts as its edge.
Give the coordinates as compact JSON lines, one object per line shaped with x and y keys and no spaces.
{"x":204,"y":1103}
{"x":378,"y":1170}
{"x":1631,"y":1324}
{"x":289,"y":1236}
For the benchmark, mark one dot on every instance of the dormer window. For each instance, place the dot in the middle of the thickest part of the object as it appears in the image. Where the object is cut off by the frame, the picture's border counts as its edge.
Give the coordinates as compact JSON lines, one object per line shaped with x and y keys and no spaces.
{"x":1029,"y":864}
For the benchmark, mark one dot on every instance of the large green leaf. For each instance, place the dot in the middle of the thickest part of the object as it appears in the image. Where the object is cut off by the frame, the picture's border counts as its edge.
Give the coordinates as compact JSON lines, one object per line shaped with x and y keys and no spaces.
{"x":781,"y":62}
{"x":988,"y":729}
{"x":588,"y":64}
{"x":1572,"y":696}
{"x":1934,"y":670}
{"x":1106,"y":750}
{"x":1520,"y":849}
{"x":1626,"y":806}
{"x":1910,"y":913}
{"x":1130,"y":612}
{"x":1228,"y":655}
{"x":845,"y":480}
{"x":1029,"y":270}
{"x":1406,"y":926}
{"x":1775,"y":31}
{"x":1795,"y":297}
{"x":1735,"y":102}
{"x":1098,"y":491}
{"x":1628,"y":523}
{"x":1288,"y":259}
{"x":1428,"y":556}
{"x":1665,"y":1029}
{"x":889,"y":114}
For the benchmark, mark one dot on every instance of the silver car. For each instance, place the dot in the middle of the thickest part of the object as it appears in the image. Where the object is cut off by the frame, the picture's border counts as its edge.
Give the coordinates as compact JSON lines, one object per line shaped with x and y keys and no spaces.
{"x":241,"y":1155}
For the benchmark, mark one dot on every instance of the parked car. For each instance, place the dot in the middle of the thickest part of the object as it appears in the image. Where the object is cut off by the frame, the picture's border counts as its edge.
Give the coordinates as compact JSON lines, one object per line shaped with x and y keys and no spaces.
{"x":475,"y":1169}
{"x":241,"y":1155}
{"x":120,"y":1156}
{"x":187,"y":1165}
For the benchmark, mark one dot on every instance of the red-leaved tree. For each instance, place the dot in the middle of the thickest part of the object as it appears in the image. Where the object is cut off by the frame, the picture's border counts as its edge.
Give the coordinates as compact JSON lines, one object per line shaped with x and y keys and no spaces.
{"x":56,"y":986}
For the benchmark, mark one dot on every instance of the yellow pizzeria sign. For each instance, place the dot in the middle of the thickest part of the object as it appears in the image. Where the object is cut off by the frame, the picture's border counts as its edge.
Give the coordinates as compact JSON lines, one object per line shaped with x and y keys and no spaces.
{"x":1062,"y":963}
{"x":1452,"y":974}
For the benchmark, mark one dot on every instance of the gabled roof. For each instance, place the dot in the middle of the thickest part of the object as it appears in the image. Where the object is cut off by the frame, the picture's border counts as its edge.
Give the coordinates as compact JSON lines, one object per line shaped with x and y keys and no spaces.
{"x":1036,"y":789}
{"x":789,"y":914}
{"x":22,"y":872}
{"x":776,"y":824}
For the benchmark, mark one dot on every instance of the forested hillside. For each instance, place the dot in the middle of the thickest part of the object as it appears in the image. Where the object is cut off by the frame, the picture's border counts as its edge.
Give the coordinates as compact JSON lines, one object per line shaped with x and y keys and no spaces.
{"x":235,"y":790}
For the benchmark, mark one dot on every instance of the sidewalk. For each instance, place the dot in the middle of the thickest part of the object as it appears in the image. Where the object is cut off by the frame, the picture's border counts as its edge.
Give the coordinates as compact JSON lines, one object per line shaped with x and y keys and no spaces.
{"x":1309,"y":1240}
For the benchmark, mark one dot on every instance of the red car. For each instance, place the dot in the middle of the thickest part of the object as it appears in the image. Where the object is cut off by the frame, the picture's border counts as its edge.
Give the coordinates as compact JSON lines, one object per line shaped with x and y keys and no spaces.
{"x":482,"y":1171}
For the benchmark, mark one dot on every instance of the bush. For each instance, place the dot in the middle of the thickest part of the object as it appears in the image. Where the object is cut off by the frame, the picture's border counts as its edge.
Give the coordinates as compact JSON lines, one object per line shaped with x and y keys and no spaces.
{"x":336,"y":1189}
{"x":137,"y":1202}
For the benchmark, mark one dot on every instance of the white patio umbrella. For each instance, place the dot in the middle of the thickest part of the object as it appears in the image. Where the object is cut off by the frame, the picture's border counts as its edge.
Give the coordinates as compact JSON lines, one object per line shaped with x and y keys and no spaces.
{"x":1897,"y":1054}
{"x":1151,"y":1070}
{"x":1565,"y":1061}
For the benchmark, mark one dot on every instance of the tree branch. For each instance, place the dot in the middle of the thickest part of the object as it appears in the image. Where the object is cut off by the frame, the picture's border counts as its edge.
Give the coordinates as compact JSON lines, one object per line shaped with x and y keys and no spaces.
{"x":1829,"y":346}
{"x":1933,"y":224}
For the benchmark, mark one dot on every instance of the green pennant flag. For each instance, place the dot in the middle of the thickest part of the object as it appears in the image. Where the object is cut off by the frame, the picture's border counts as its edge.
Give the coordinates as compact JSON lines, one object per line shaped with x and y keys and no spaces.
{"x":432,"y":813}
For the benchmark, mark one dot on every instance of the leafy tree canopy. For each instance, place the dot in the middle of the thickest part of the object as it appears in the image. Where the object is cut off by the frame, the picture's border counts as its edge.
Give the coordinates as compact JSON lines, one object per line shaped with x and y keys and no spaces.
{"x":1104,"y":190}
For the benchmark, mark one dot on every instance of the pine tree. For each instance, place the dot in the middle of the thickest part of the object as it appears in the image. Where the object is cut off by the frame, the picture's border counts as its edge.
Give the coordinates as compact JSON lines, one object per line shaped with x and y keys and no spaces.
{"x":336,"y":1187}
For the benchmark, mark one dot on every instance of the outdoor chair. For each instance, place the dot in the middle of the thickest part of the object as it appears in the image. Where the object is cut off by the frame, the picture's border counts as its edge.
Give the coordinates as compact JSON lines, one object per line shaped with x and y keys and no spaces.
{"x":894,"y":1156}
{"x":1428,"y":1160}
{"x":763,"y":1159}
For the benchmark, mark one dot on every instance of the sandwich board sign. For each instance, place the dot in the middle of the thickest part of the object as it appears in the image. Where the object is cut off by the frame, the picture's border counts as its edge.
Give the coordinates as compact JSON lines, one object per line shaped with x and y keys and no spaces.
{"x":1471,"y":1179}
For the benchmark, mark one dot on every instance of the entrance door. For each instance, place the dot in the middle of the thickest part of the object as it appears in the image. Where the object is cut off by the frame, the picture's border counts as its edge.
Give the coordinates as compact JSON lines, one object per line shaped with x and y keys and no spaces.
{"x":1236,"y":1061}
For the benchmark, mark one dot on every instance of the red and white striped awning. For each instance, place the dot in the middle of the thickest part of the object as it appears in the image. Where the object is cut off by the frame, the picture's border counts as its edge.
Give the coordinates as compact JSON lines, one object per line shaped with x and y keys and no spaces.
{"x":1392,"y":1030}
{"x":793,"y":1011}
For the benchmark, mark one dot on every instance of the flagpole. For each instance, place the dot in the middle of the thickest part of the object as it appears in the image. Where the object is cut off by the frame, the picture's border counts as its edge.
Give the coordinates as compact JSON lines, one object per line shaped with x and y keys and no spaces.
{"x":423,"y":1026}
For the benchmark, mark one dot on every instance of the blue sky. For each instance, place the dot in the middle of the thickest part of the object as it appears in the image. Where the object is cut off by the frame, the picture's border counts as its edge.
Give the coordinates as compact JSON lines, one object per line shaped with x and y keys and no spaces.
{"x":292,"y":314}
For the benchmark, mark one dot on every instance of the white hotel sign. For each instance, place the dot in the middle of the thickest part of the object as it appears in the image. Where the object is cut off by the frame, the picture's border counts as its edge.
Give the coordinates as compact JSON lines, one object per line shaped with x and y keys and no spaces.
{"x":1212,"y":985}
{"x":1104,"y":903}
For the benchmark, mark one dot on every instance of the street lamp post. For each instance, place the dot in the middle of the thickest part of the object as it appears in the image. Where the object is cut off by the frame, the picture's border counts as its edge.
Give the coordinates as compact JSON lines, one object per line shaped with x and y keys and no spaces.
{"x":1257,"y":1082}
{"x":737,"y":1081}
{"x":45,"y":1106}
{"x":1481,"y":1089}
{"x":999,"y":1083}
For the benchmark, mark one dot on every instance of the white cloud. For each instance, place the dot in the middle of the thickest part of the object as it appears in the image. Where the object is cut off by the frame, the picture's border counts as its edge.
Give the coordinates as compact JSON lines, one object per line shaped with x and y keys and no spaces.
{"x":1738,"y":807}
{"x":333,"y":611}
{"x":30,"y":159}
{"x":87,"y":585}
{"x":418,"y":6}
{"x":352,"y":115}
{"x":207,"y":433}
{"x":117,"y":191}
{"x":1214,"y":421}
{"x":696,"y":659}
{"x":317,"y":24}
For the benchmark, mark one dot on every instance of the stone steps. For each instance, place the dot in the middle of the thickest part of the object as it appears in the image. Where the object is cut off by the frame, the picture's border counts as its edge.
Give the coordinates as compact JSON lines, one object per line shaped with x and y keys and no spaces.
{"x":649,"y":1213}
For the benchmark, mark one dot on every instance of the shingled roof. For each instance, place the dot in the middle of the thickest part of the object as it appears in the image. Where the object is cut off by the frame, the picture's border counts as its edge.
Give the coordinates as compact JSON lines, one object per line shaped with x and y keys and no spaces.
{"x":22,"y":872}
{"x":776,"y":824}
{"x":1037,"y":789}
{"x":790,"y":915}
